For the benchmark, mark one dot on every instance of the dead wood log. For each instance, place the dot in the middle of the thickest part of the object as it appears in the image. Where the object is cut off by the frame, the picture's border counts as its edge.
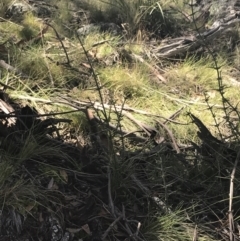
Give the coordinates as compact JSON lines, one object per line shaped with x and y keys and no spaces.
{"x":210,"y":144}
{"x":180,"y":46}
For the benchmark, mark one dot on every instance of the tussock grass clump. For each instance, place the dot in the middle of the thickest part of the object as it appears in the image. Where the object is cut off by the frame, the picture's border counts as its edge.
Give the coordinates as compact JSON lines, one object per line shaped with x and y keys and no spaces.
{"x":124,"y":81}
{"x":137,"y":16}
{"x":22,"y":195}
{"x":102,"y":50}
{"x":36,"y":65}
{"x":31,"y":26}
{"x":7,"y":29}
{"x":192,"y":78}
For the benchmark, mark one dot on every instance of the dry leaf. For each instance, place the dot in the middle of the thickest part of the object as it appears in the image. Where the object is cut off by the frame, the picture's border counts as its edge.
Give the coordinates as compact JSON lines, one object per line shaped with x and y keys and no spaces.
{"x":50,"y":184}
{"x":64,"y":175}
{"x":30,"y":207}
{"x":86,"y":229}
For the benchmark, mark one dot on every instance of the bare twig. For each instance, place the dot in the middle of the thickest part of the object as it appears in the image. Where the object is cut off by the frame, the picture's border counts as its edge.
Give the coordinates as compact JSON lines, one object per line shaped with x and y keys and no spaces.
{"x":173,"y":116}
{"x":110,"y":193}
{"x":60,"y":40}
{"x":98,"y":106}
{"x":104,"y":236}
{"x":230,"y":214}
{"x":129,"y":116}
{"x":138,"y":229}
{"x":175,"y":146}
{"x":6,"y":86}
{"x":40,"y":115}
{"x":100,"y":42}
{"x":195,"y":234}
{"x":95,"y":79}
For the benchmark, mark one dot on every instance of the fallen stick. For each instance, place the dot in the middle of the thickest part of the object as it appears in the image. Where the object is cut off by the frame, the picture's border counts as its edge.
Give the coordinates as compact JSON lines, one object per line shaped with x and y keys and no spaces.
{"x":174,"y":115}
{"x":175,"y":146}
{"x":98,"y":106}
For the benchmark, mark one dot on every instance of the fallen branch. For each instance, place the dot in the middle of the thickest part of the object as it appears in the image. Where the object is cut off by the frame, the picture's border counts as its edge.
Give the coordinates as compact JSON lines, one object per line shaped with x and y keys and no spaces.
{"x":181,"y":45}
{"x":98,"y":106}
{"x":12,"y":69}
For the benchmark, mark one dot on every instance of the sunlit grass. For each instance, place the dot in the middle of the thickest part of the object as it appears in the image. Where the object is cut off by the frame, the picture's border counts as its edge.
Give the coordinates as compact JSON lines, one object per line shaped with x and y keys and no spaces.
{"x":9,"y":29}
{"x":136,"y":48}
{"x":126,"y":82}
{"x":31,"y":26}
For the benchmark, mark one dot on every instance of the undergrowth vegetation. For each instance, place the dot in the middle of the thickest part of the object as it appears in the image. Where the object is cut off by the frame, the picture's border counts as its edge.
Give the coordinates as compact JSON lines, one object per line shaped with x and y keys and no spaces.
{"x":101,"y":139}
